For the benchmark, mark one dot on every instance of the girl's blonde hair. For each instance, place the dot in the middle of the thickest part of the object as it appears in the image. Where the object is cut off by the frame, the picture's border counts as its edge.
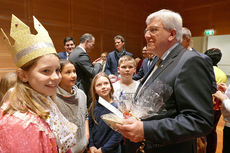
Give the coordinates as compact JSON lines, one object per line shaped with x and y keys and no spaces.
{"x":7,"y":82}
{"x":94,"y":95}
{"x":23,"y":99}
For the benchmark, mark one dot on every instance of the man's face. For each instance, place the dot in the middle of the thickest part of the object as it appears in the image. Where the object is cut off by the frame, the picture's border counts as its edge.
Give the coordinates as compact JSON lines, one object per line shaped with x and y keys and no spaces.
{"x":69,"y":46}
{"x":119,"y":44}
{"x":103,"y":57}
{"x":185,"y":42}
{"x":144,"y":52}
{"x":157,"y":37}
{"x":90,"y":45}
{"x":150,"y":53}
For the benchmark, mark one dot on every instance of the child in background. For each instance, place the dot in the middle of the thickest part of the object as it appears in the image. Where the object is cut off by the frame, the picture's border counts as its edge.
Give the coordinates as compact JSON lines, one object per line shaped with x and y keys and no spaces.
{"x":102,"y":138}
{"x":223,"y":94}
{"x":29,"y":119}
{"x":72,"y":103}
{"x":7,"y":82}
{"x":126,"y":85}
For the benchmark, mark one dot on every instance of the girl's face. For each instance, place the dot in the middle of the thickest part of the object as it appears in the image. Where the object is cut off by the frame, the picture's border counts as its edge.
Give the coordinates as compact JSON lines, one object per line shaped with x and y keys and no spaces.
{"x":69,"y":76}
{"x":44,"y":76}
{"x":103,"y":87}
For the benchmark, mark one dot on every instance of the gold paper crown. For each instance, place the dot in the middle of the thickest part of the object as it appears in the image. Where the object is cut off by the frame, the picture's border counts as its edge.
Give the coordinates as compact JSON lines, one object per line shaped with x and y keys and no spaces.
{"x":27,"y":46}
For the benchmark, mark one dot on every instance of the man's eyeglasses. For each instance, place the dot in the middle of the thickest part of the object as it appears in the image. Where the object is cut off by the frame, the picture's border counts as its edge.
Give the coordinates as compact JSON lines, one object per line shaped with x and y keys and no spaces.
{"x":152,"y":30}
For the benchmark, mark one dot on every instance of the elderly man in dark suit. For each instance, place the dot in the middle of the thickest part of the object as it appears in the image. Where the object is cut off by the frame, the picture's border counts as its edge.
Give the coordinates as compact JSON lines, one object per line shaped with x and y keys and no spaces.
{"x":84,"y":68}
{"x":186,"y":112}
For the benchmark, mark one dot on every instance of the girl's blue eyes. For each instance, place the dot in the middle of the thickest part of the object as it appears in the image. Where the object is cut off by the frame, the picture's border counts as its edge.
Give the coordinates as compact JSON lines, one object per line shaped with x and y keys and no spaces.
{"x":47,"y":71}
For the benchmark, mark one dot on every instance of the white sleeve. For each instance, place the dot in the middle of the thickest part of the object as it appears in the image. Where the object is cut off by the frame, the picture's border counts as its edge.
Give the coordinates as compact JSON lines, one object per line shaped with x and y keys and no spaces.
{"x":226,"y":104}
{"x":227,"y":92}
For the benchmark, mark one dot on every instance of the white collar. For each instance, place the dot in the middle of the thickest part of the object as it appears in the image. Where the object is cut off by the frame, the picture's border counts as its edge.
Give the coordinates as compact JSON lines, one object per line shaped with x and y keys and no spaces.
{"x":82,"y":48}
{"x":168,"y":51}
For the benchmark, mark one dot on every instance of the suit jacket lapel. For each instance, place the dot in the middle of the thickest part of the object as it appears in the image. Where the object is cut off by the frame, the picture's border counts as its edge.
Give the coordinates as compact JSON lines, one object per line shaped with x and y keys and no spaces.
{"x":162,"y":66}
{"x":155,"y":59}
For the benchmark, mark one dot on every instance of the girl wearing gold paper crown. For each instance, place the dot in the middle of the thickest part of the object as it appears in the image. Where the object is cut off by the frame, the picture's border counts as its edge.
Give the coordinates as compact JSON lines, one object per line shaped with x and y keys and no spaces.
{"x":29,"y":119}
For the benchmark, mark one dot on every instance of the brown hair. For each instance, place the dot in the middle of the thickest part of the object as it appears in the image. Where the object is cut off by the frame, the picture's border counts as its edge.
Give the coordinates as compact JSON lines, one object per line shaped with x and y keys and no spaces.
{"x":119,"y":37}
{"x":7,"y":82}
{"x":64,"y":62}
{"x":126,"y":58}
{"x":23,"y":99}
{"x":95,"y":95}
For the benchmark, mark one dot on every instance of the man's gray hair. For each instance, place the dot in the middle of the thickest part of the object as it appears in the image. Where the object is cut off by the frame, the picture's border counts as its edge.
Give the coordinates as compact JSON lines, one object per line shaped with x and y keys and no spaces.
{"x":86,"y":36}
{"x":186,"y":33}
{"x":170,"y":20}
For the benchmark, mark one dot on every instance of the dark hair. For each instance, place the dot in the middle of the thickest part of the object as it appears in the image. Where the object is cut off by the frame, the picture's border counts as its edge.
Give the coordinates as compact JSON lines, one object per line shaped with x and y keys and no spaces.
{"x":63,"y":62}
{"x":69,"y":39}
{"x":86,"y":36}
{"x":119,"y":37}
{"x":215,"y":54}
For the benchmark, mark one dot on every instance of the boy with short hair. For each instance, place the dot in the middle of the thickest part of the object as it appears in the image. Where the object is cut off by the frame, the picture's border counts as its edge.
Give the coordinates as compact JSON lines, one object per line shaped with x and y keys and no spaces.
{"x":126,"y":85}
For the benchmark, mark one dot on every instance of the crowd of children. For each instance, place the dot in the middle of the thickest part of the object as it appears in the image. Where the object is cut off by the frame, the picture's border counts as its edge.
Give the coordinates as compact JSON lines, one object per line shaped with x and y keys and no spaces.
{"x":43,"y":111}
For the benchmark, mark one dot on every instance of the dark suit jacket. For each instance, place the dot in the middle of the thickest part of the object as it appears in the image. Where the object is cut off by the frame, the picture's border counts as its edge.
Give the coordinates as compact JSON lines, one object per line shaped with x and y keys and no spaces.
{"x":144,"y":68}
{"x":62,"y":55}
{"x":84,"y":68}
{"x":112,"y":62}
{"x":187,"y":113}
{"x":209,"y":64}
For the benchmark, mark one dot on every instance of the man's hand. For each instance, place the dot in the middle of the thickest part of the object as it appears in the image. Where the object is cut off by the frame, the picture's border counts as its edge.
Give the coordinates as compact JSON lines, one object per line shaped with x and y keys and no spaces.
{"x":99,"y":150}
{"x":132,"y":129}
{"x":113,"y":78}
{"x":222,"y":87}
{"x":98,"y":60}
{"x":93,"y":149}
{"x":219,"y":95}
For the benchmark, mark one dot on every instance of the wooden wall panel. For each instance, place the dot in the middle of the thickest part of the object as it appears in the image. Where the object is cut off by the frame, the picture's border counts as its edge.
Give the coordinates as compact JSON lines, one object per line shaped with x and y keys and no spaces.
{"x":57,"y":34}
{"x":198,"y":15}
{"x":205,"y":14}
{"x":7,"y":8}
{"x":107,"y":18}
{"x":55,"y":12}
{"x":108,"y":41}
{"x":88,"y":13}
{"x":18,"y":8}
{"x":114,"y":18}
{"x":6,"y":59}
{"x":197,"y":20}
{"x":54,"y":15}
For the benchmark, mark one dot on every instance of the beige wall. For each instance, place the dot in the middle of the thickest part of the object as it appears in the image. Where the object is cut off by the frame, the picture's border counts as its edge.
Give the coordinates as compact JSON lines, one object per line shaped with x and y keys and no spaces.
{"x":222,"y":42}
